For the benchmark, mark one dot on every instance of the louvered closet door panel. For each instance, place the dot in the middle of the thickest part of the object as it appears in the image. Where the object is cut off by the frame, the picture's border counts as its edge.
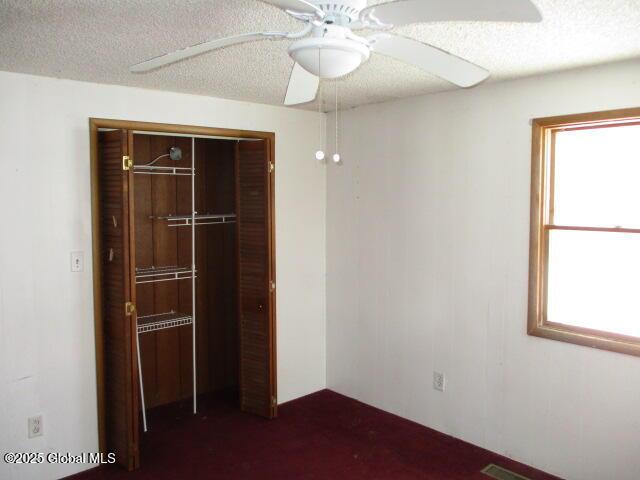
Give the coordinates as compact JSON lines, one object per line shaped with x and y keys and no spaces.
{"x":120,"y":380}
{"x":257,"y":365}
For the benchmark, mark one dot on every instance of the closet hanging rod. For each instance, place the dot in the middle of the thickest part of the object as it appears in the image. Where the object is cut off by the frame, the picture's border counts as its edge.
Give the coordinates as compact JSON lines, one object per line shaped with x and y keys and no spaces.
{"x":197,"y":216}
{"x":197,"y":224}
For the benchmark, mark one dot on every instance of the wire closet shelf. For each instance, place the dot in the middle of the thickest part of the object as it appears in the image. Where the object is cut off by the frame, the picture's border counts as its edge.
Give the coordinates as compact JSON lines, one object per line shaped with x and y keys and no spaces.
{"x":161,"y":321}
{"x":160,"y":170}
{"x":198,"y":219}
{"x":154,"y":274}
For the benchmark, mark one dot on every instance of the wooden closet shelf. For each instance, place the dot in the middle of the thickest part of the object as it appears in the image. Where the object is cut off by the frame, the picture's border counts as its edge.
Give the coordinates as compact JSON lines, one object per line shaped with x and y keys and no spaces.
{"x":163,"y":274}
{"x":160,"y":321}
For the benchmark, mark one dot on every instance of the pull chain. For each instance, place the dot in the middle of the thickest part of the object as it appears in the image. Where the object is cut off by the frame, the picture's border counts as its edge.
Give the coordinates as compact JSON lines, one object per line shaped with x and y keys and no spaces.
{"x":320,"y":152}
{"x":336,"y":156}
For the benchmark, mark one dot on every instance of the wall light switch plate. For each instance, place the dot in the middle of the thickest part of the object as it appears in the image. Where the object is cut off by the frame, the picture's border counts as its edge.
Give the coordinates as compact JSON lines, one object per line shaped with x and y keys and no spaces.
{"x":438,"y":381}
{"x":35,"y":426}
{"x":77,"y":261}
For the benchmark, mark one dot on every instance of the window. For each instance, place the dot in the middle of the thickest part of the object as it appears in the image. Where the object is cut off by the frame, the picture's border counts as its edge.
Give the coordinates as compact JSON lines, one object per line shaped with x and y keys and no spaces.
{"x":584,"y":272}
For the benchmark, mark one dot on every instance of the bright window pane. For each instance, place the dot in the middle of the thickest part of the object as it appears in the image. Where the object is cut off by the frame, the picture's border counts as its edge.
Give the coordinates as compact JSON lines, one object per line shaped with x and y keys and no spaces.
{"x":597,"y":177}
{"x":594,"y":280}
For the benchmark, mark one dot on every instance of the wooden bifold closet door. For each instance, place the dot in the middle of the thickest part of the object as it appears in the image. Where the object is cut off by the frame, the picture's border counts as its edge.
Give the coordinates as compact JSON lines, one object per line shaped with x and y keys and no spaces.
{"x":120,"y":385}
{"x":255,"y":278}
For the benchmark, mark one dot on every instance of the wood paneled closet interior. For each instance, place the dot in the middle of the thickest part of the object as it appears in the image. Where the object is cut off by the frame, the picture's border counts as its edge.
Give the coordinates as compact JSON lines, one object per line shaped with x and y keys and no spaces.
{"x":186,"y":277}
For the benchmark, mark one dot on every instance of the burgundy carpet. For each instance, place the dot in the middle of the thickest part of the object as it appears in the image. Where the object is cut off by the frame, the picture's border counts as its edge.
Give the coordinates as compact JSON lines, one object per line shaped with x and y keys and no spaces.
{"x":321,"y":436}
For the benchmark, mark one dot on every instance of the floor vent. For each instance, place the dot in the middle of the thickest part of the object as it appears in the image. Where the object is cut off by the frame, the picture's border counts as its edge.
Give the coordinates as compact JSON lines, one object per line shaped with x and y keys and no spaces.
{"x":499,"y":473}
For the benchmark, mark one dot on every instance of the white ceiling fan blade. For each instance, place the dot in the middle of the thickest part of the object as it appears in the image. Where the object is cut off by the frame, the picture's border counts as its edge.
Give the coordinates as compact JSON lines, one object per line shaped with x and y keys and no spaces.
{"x":403,"y":12}
{"x":303,"y":86}
{"x":199,"y":49}
{"x":296,"y":6}
{"x":430,"y":59}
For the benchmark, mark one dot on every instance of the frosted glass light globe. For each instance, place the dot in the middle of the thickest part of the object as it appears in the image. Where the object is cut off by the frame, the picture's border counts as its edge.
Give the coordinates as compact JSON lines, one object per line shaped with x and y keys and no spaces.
{"x":336,"y":158}
{"x":327,"y":57}
{"x":319,"y":155}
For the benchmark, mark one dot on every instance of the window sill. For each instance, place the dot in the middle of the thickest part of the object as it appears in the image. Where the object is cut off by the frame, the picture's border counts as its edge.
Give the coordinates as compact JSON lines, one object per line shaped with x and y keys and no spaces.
{"x":586,"y":337}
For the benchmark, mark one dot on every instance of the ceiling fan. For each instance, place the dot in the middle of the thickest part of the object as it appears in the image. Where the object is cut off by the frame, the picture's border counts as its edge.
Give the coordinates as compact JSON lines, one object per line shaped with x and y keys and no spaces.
{"x":327,"y":46}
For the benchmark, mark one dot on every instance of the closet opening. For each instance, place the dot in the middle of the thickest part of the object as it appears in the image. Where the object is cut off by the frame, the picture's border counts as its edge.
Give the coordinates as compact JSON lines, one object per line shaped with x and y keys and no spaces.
{"x":164,"y":239}
{"x":184,"y":276}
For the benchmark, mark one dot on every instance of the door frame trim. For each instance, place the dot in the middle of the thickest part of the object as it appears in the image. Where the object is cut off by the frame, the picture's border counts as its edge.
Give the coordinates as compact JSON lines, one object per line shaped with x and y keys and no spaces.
{"x":94,"y":125}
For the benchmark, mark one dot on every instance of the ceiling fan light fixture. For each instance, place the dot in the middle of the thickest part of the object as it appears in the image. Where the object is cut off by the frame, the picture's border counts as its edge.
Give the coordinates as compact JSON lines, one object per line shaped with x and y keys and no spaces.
{"x":329,"y":57}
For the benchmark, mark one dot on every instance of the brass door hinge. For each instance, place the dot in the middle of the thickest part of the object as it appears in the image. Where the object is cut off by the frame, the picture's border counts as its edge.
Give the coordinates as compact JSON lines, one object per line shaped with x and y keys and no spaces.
{"x":129,"y":309}
{"x":127,"y":163}
{"x":274,"y":401}
{"x":272,"y":286}
{"x":272,"y":167}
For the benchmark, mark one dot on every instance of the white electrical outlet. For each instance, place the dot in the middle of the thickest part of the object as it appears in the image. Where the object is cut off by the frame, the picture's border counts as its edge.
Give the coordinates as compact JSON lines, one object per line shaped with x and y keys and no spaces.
{"x":35,"y":426}
{"x":77,"y":261}
{"x":438,"y":381}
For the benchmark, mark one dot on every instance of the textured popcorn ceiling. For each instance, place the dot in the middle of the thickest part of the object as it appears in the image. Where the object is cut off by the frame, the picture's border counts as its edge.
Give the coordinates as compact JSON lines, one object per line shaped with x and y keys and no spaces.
{"x":96,"y":40}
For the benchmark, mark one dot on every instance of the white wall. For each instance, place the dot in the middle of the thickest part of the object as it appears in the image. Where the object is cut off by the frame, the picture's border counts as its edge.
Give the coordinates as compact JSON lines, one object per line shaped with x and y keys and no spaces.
{"x":47,"y":358}
{"x":427,"y":260}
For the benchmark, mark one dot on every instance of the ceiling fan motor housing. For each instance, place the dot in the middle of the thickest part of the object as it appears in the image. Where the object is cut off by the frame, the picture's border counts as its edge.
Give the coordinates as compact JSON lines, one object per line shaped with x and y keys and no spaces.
{"x":340,"y":12}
